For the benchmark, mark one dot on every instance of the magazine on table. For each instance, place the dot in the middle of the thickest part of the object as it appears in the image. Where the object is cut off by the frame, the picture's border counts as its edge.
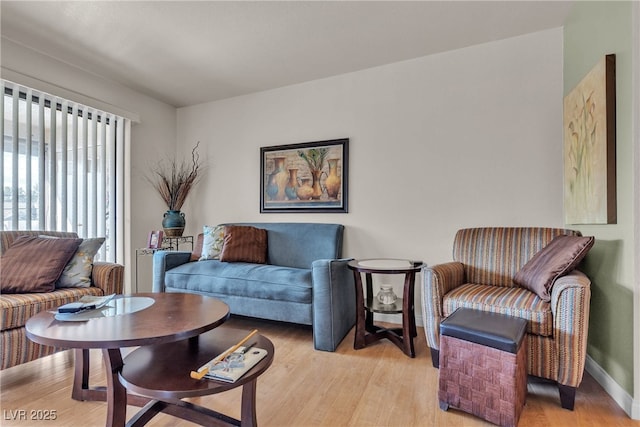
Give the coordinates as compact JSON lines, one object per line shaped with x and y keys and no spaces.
{"x":234,"y":366}
{"x":87,"y":302}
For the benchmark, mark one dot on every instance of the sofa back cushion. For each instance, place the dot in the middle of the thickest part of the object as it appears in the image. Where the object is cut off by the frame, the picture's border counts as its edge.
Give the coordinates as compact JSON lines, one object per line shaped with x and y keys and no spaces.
{"x":298,"y":244}
{"x":493,"y":255}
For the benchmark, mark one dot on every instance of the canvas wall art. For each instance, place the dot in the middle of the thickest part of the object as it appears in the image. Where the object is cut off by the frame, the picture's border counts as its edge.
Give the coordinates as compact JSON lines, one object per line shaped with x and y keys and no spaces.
{"x":307,"y":177}
{"x":589,"y":147}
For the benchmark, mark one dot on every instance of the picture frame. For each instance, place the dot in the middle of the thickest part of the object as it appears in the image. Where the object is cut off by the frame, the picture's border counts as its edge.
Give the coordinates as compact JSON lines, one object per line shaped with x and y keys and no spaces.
{"x":589,"y":122}
{"x":305,"y":177}
{"x":155,"y":239}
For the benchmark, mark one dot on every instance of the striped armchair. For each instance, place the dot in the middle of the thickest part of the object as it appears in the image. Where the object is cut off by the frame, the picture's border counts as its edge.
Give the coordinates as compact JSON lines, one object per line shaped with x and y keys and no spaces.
{"x":485,"y":260}
{"x":15,"y":309}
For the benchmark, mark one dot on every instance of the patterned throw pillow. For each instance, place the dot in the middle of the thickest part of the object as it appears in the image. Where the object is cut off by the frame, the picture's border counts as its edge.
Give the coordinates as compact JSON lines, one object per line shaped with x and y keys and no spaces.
{"x":77,"y":273}
{"x":212,"y":242}
{"x":33,"y":264}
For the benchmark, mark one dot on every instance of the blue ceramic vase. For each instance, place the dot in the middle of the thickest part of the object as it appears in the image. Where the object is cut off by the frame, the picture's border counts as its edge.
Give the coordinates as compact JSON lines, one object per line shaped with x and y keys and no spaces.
{"x":173,"y":223}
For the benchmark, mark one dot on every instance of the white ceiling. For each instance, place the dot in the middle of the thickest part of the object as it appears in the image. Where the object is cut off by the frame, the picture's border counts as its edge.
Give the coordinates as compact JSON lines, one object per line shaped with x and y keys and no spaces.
{"x":186,"y":53}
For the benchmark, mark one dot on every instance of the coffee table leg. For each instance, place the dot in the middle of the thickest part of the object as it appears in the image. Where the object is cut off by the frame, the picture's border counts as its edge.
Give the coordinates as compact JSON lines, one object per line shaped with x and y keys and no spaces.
{"x":81,"y":374}
{"x":116,"y":393}
{"x":248,"y":415}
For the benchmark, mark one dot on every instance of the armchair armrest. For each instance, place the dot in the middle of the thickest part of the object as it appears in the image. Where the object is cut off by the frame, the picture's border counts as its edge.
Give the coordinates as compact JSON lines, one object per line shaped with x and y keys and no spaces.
{"x":570,"y":297}
{"x":437,"y":281}
{"x":108,"y":276}
{"x":334,"y":302}
{"x":164,"y":261}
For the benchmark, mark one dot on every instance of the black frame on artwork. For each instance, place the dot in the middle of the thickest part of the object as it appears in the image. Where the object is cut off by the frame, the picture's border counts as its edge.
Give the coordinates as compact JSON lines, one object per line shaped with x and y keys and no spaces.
{"x":323,"y":189}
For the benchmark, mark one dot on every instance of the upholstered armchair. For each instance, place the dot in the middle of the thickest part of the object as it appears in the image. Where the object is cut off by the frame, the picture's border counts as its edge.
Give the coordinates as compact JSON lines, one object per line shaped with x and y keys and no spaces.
{"x":486,"y":261}
{"x":17,"y":308}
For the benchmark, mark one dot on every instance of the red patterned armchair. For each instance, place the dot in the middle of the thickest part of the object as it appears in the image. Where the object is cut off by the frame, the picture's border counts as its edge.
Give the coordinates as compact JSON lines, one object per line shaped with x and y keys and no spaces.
{"x":481,"y":277}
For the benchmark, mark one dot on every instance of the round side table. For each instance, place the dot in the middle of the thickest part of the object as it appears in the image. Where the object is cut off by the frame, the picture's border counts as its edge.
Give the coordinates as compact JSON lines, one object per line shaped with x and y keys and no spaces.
{"x":366,"y":331}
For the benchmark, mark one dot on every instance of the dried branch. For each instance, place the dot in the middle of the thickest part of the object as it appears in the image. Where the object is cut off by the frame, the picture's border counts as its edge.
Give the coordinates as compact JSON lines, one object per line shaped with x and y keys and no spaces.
{"x":174,"y":181}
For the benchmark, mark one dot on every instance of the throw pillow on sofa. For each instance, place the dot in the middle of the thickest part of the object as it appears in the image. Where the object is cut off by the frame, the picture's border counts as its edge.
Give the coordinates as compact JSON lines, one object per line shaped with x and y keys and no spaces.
{"x":196,"y":253}
{"x":34,"y":264}
{"x":212,"y":242}
{"x":77,"y":272}
{"x":243,"y":243}
{"x":555,"y":260}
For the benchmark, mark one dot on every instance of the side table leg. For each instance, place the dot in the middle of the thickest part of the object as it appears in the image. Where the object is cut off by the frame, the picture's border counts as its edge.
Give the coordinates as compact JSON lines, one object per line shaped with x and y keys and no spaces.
{"x":408,"y":315}
{"x":248,"y":416}
{"x":359,"y":339}
{"x":116,"y":393}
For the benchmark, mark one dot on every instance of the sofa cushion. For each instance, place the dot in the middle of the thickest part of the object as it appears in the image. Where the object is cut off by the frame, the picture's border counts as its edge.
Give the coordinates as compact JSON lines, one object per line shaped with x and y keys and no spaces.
{"x":242,"y":279}
{"x":555,"y":260}
{"x":15,"y":309}
{"x":213,"y":239}
{"x":244,"y":244}
{"x":518,"y":302}
{"x":34,"y":264}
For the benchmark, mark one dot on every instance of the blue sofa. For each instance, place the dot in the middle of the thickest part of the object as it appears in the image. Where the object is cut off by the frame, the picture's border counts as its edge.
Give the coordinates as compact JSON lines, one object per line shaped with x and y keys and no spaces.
{"x":305,"y":281}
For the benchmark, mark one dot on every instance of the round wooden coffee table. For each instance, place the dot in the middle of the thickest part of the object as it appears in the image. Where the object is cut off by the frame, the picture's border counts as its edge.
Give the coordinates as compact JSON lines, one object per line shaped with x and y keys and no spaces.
{"x":161,"y":373}
{"x":170,"y":317}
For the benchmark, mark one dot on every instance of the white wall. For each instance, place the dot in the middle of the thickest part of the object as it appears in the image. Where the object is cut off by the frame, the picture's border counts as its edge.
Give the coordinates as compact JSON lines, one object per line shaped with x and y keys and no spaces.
{"x":153,"y":136}
{"x":464,"y":138}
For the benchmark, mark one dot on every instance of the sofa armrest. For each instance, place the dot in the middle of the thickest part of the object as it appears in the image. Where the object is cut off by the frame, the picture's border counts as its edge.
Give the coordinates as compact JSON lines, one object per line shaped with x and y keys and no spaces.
{"x":437,"y":281}
{"x":334,"y":302}
{"x":108,"y":276}
{"x":164,"y":261}
{"x":570,"y":298}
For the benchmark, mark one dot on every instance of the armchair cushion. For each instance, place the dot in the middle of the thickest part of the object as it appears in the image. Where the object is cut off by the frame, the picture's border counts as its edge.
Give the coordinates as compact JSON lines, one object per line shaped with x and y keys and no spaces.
{"x":555,"y":260}
{"x":517,"y":302}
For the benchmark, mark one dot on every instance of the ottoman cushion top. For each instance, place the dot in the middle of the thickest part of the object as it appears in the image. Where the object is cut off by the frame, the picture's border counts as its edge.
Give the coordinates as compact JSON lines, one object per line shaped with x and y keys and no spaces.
{"x":493,"y":330}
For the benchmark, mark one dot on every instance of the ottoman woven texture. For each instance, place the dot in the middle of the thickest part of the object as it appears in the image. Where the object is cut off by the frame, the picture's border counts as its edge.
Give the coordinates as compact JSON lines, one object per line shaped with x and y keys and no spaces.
{"x":483,"y":365}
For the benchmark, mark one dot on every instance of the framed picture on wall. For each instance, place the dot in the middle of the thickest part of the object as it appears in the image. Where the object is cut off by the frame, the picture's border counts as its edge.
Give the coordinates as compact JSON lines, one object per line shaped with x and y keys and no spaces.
{"x":306,"y":177}
{"x":155,"y":240}
{"x":590,"y":147}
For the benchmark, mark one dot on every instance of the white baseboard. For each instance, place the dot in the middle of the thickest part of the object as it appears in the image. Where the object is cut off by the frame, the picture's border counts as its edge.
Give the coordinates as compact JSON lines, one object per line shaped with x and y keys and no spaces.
{"x":613,"y":389}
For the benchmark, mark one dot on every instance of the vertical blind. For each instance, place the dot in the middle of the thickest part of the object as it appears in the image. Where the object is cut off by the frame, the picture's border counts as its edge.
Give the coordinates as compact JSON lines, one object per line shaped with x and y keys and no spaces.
{"x":63,"y":167}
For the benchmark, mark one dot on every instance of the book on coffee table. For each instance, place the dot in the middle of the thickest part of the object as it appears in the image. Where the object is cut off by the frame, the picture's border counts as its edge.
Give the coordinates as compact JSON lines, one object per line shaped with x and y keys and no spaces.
{"x":230,"y":371}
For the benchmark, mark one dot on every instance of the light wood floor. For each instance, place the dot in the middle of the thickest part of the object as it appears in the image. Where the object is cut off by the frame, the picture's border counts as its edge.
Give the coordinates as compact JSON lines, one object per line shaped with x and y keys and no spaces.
{"x":375,"y":386}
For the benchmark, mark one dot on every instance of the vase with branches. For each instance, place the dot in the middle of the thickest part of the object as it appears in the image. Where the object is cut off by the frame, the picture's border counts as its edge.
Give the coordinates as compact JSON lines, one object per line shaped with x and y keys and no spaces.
{"x":174,"y":180}
{"x":315,"y":158}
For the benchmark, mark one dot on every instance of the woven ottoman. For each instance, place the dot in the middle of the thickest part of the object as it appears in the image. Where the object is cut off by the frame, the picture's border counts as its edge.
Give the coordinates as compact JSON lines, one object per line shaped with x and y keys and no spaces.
{"x":483,"y":367}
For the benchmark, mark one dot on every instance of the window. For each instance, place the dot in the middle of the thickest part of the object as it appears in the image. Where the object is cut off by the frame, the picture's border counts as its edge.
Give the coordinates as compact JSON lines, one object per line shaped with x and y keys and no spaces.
{"x":61,"y":167}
